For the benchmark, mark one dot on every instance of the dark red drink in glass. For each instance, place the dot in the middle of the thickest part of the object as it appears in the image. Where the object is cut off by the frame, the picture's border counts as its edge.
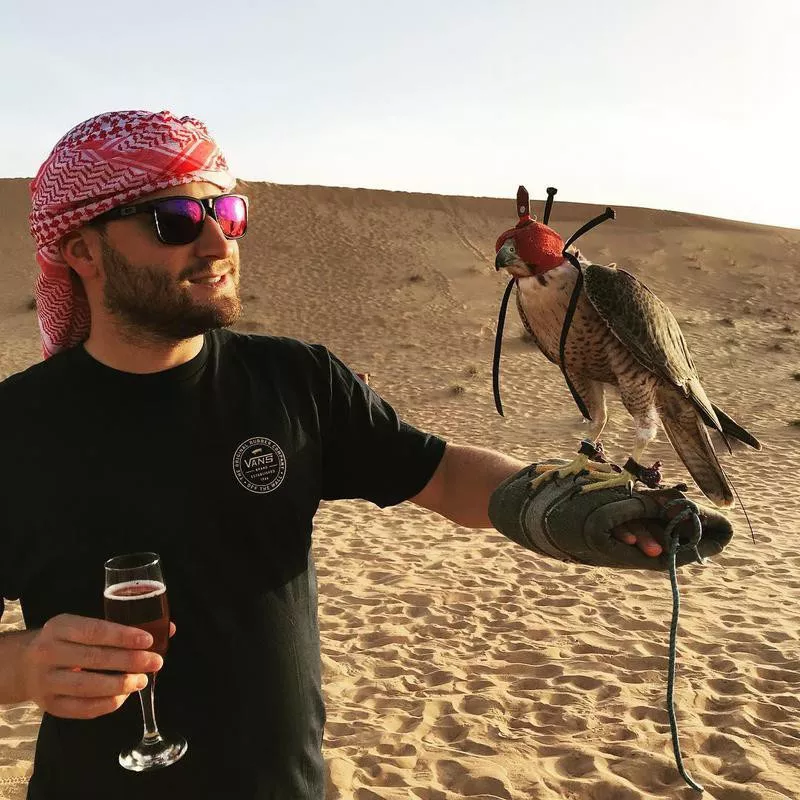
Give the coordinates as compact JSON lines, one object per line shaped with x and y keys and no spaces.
{"x":142,"y":604}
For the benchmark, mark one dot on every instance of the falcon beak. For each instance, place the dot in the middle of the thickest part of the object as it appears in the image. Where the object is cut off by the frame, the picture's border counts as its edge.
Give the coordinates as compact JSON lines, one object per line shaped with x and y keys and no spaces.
{"x":506,"y":255}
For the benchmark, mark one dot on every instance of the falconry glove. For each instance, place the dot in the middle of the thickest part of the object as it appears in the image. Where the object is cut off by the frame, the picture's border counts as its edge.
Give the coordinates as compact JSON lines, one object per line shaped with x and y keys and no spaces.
{"x":557,"y":519}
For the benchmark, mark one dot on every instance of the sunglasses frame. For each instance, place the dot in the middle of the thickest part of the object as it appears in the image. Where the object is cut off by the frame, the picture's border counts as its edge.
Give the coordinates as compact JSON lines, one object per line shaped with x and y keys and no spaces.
{"x":206,"y":204}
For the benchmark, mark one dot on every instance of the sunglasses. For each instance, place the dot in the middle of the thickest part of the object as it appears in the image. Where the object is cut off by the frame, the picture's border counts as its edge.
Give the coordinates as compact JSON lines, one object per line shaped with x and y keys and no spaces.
{"x":180,"y":219}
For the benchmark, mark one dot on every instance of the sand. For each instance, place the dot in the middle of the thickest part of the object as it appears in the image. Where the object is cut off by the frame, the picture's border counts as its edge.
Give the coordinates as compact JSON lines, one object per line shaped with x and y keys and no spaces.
{"x":456,"y":664}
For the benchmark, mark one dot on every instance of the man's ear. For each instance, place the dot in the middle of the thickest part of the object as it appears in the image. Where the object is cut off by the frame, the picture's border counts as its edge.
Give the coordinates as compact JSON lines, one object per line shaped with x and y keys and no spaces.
{"x":81,"y":251}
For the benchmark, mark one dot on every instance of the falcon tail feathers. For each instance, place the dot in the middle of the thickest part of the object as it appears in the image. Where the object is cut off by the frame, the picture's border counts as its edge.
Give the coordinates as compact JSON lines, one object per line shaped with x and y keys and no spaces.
{"x":686,"y":430}
{"x":734,"y":430}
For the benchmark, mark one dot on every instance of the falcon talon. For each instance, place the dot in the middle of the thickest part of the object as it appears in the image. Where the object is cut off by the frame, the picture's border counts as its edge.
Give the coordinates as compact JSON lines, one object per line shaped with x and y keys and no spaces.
{"x":543,"y":477}
{"x":602,"y":458}
{"x":606,"y":459}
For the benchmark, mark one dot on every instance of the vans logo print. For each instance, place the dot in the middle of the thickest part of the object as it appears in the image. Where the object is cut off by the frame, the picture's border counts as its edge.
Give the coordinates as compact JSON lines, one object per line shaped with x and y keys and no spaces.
{"x":259,"y":465}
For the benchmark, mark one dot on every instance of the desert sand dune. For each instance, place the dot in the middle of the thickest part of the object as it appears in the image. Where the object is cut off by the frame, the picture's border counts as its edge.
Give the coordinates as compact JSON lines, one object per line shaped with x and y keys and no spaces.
{"x":456,"y":664}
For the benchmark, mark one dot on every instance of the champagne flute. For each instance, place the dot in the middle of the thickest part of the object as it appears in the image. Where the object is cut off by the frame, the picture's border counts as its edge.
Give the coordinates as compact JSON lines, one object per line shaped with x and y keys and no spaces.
{"x":135,"y":594}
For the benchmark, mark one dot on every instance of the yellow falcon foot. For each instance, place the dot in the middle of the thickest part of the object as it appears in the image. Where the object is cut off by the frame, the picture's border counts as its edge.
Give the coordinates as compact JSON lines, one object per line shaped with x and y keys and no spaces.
{"x":588,"y":461}
{"x":632,"y":472}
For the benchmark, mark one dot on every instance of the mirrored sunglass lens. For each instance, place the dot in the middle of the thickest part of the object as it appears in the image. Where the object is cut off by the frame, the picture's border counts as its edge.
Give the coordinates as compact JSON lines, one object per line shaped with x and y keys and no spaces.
{"x":231,"y":214}
{"x":179,"y":220}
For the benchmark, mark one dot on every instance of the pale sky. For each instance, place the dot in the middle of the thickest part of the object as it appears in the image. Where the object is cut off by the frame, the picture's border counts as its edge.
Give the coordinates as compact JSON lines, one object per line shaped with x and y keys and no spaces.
{"x":688,"y":105}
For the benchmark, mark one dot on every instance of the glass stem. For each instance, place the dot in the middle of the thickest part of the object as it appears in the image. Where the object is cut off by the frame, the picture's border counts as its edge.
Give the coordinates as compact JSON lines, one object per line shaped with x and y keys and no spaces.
{"x":147,"y":698}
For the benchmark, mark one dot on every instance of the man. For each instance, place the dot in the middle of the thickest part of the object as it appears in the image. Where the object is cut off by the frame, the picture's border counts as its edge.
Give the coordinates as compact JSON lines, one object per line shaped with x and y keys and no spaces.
{"x":151,"y":427}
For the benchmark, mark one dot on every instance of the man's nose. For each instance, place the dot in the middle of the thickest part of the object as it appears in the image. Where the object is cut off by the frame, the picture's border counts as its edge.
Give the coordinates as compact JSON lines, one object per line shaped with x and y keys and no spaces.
{"x":211,"y":243}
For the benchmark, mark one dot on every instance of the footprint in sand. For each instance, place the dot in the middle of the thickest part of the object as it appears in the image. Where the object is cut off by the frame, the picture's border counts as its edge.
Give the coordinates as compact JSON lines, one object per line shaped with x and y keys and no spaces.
{"x":575,"y":765}
{"x":728,"y":686}
{"x":454,"y":776}
{"x":426,"y":793}
{"x":586,"y":683}
{"x":723,"y":747}
{"x":478,"y":705}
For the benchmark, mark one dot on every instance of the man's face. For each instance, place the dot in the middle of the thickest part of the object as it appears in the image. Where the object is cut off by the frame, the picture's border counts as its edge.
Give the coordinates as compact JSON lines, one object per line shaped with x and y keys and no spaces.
{"x":170,"y":292}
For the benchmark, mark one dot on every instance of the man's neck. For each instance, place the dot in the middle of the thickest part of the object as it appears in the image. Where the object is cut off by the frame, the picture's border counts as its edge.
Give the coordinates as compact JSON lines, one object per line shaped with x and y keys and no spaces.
{"x":143,"y":357}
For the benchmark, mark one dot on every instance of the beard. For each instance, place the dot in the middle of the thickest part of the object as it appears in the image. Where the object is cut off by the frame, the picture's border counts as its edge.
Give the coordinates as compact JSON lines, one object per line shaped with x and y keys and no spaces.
{"x":148,"y":302}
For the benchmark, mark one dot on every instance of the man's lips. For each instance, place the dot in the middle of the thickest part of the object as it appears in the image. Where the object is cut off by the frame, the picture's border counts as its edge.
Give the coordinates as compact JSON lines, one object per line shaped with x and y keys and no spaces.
{"x":211,"y":279}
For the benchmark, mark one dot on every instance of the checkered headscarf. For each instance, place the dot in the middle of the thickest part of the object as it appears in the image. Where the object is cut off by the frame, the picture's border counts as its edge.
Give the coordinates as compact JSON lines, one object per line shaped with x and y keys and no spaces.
{"x":101,"y":163}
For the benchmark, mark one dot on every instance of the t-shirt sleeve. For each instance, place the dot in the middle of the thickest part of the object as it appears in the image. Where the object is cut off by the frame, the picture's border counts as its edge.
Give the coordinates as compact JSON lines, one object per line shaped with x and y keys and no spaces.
{"x":368,"y":452}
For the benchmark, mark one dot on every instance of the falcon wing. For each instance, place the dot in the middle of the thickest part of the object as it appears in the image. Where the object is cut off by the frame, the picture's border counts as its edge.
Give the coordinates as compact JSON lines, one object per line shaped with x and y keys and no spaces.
{"x":647,"y":328}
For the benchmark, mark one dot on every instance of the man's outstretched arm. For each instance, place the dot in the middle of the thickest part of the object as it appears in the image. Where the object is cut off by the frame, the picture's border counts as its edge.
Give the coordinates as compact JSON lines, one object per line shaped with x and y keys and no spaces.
{"x":463,"y":483}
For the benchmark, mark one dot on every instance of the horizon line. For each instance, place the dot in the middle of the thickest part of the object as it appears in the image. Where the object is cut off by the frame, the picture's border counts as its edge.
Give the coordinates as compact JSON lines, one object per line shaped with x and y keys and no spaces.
{"x":676,"y":211}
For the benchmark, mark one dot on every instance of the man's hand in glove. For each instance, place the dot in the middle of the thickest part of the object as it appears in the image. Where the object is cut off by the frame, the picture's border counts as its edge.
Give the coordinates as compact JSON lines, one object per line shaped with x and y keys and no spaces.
{"x":614,"y":527}
{"x":640,"y":534}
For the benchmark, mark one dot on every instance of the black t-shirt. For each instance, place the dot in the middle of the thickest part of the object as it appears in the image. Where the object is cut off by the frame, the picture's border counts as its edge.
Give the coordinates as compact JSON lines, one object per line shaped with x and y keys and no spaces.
{"x":219,"y":466}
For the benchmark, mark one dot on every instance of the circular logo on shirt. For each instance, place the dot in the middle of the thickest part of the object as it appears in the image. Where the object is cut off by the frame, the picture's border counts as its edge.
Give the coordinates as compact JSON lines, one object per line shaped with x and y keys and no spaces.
{"x":259,"y":465}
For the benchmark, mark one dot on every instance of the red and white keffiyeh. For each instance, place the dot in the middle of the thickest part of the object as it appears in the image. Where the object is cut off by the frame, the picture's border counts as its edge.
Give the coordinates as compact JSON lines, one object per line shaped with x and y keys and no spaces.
{"x":101,"y":163}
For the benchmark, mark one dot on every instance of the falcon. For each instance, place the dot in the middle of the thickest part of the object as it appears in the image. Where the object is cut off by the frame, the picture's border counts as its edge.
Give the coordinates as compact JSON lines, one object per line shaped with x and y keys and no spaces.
{"x":617,"y":333}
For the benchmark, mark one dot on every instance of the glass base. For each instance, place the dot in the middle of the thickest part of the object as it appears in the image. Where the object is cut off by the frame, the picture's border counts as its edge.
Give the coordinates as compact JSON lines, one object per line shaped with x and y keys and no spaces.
{"x":160,"y":753}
